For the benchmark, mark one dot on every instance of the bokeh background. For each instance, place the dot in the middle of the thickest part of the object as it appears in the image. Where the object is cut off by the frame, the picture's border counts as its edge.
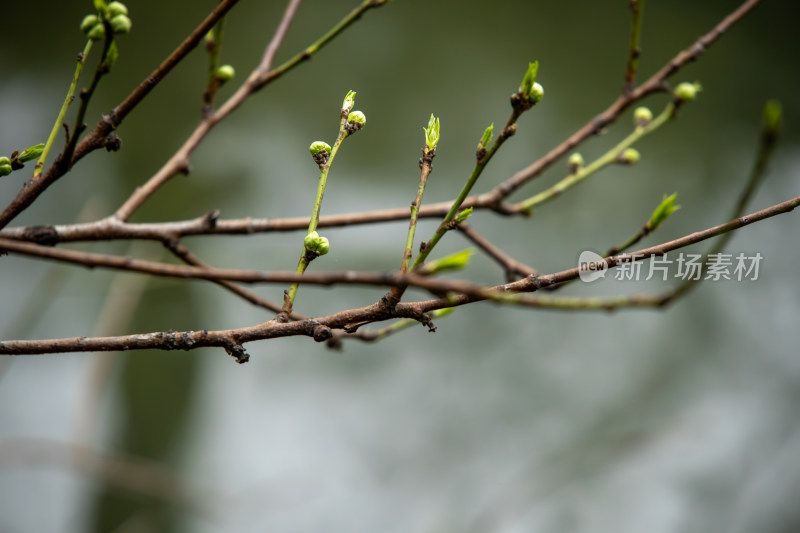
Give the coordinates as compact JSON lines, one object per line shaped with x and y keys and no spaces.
{"x":507,"y":420}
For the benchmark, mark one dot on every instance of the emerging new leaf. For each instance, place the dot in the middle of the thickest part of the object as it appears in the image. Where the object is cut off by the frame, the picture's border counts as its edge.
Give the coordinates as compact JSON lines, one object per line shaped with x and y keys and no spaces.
{"x":31,"y":153}
{"x":349,"y":102}
{"x":664,"y":210}
{"x":454,"y":261}
{"x":431,"y":134}
{"x":529,"y":79}
{"x":486,"y":138}
{"x":463,"y":215}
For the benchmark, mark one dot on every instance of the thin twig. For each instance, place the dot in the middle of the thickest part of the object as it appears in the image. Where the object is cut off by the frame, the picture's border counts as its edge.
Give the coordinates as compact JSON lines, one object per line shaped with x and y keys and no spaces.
{"x":459,"y":293}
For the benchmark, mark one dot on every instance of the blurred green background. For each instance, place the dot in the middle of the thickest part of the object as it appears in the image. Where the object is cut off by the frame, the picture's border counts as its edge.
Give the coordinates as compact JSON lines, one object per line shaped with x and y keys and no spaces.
{"x":506,"y":419}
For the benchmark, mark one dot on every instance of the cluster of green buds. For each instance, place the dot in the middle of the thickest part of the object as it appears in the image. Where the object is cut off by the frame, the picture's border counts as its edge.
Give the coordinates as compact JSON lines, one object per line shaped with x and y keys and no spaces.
{"x":320,"y":151}
{"x":114,"y":13}
{"x":5,"y":166}
{"x":315,"y":244}
{"x":530,"y":92}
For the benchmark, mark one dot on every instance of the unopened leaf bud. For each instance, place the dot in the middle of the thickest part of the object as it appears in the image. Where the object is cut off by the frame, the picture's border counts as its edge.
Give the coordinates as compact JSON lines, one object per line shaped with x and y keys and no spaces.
{"x":225,"y":73}
{"x":686,"y":91}
{"x":320,"y":151}
{"x":486,"y":138}
{"x":5,"y":166}
{"x":121,"y":24}
{"x":97,"y":32}
{"x":349,"y":102}
{"x":463,"y":215}
{"x":89,"y":22}
{"x":642,"y":116}
{"x":117,"y":8}
{"x":536,"y":94}
{"x":31,"y":153}
{"x":575,"y":162}
{"x":355,"y":121}
{"x":629,"y":156}
{"x":529,"y":79}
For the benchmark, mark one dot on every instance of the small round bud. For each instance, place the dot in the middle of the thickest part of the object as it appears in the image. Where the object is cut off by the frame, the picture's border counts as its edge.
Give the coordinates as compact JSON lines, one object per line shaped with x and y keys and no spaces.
{"x":225,"y":73}
{"x":629,"y":156}
{"x":320,"y":151}
{"x":686,"y":92}
{"x":575,"y":162}
{"x":642,"y":116}
{"x":355,"y":121}
{"x":97,"y":32}
{"x":5,"y":166}
{"x":536,"y":94}
{"x":89,"y":22}
{"x":117,"y":8}
{"x":121,"y":24}
{"x":316,"y":244}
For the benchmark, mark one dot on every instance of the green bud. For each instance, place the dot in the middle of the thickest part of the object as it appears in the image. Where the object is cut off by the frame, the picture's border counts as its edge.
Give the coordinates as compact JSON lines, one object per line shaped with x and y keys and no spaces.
{"x":664,"y":210}
{"x":686,"y":92}
{"x":89,"y":22}
{"x":101,"y":7}
{"x":349,"y":102}
{"x":121,"y":24}
{"x":575,"y":162}
{"x":5,"y":166}
{"x":536,"y":94}
{"x":320,"y":151}
{"x":463,"y":215}
{"x":117,"y":8}
{"x":225,"y":73}
{"x":529,"y":79}
{"x":772,"y":116}
{"x":486,"y":138}
{"x":31,"y":153}
{"x":316,"y":244}
{"x":442,"y":312}
{"x":642,"y":116}
{"x":111,"y":56}
{"x":454,"y":261}
{"x":355,"y":121}
{"x":629,"y":156}
{"x":431,"y":133}
{"x":97,"y":32}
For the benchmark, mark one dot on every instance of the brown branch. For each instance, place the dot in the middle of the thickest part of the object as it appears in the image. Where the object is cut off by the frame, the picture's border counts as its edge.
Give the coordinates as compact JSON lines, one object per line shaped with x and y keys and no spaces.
{"x":459,"y":293}
{"x":179,"y":162}
{"x":103,"y":132}
{"x":512,"y":268}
